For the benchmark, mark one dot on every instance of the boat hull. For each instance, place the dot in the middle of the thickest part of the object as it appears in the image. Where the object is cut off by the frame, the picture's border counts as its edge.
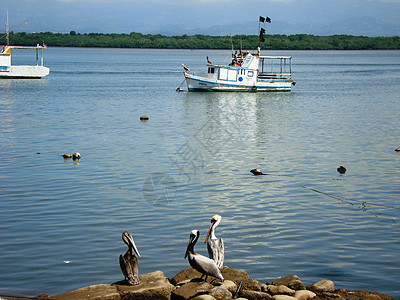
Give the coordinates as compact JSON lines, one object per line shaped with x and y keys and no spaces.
{"x":198,"y":83}
{"x":24,"y":72}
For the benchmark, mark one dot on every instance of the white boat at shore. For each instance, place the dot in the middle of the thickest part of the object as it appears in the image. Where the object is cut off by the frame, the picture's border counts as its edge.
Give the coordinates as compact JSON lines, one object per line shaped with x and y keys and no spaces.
{"x":8,"y":71}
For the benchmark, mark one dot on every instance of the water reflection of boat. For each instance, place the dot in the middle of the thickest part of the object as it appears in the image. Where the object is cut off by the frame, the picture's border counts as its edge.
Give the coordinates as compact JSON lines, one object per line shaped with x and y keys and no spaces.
{"x":248,"y":71}
{"x":7,"y":70}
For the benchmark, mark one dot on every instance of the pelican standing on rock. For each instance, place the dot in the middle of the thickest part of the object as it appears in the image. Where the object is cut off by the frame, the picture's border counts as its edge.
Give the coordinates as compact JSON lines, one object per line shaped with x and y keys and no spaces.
{"x":128,"y":262}
{"x":204,"y":265}
{"x":215,"y":246}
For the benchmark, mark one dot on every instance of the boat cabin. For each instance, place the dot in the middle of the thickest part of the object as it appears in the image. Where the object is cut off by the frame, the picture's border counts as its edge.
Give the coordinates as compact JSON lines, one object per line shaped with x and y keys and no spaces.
{"x":253,"y":68}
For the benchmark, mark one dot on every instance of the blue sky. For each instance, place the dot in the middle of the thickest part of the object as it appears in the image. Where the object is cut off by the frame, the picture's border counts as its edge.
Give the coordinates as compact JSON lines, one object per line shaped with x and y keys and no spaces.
{"x":213,"y":17}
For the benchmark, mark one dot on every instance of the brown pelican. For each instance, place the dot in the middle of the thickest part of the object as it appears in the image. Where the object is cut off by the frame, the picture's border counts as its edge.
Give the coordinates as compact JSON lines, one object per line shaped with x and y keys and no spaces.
{"x":204,"y":265}
{"x":76,"y":156}
{"x":257,"y":172}
{"x":215,"y":246}
{"x":66,"y":156}
{"x":128,"y":262}
{"x":341,"y":170}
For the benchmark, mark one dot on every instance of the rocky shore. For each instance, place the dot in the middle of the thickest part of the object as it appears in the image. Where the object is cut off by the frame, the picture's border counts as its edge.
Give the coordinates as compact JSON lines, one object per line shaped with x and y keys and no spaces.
{"x":237,"y":285}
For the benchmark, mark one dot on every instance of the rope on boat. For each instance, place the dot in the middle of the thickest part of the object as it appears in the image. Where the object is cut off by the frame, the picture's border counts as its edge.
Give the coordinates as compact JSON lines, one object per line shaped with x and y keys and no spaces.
{"x":179,"y":88}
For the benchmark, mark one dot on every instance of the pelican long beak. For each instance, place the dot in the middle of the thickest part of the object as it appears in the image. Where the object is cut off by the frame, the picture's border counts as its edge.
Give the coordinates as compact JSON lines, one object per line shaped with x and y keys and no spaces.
{"x":132,"y":244}
{"x":209,"y":231}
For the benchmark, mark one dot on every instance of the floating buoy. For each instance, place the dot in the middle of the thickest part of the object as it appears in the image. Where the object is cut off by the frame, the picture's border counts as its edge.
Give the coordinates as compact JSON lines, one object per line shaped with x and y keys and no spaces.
{"x":256,"y":172}
{"x":76,"y":156}
{"x":144,"y":118}
{"x":397,"y":149}
{"x":66,"y":156}
{"x":341,"y":170}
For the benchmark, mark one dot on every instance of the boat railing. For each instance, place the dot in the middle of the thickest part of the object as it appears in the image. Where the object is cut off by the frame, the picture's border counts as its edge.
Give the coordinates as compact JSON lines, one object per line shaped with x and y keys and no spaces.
{"x":273,"y":75}
{"x":275,"y":67}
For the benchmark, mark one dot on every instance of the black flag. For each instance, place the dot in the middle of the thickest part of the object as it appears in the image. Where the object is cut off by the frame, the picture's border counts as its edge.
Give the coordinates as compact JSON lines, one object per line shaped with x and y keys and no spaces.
{"x":268,"y":20}
{"x":262,"y":31}
{"x":262,"y":19}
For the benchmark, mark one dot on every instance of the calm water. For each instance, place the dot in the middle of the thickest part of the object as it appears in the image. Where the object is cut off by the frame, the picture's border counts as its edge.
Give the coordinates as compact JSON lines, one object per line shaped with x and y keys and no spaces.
{"x":61,"y":221}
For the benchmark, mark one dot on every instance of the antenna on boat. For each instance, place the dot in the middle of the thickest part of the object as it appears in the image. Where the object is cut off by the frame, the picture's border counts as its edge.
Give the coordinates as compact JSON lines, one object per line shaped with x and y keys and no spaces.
{"x":7,"y":34}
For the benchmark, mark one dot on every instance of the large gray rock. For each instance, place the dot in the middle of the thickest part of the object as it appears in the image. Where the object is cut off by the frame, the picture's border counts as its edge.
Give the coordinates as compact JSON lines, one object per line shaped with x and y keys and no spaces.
{"x":231,"y":286}
{"x":292,"y":282}
{"x":220,"y":293}
{"x":277,"y":290}
{"x":236,"y":276}
{"x":255,"y":295}
{"x":152,"y":286}
{"x":322,"y":286}
{"x":191,"y":289}
{"x":283,"y":297}
{"x":92,"y":292}
{"x":204,"y":297}
{"x":304,"y":295}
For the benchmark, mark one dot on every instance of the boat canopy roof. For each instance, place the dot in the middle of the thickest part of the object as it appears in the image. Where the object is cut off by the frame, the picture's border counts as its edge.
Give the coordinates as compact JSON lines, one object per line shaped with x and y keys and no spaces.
{"x":275,"y":57}
{"x":26,"y":47}
{"x":7,"y":49}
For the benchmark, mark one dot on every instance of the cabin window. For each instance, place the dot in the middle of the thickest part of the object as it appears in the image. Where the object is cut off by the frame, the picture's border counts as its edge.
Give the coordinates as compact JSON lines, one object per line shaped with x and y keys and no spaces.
{"x":211,"y":70}
{"x":250,"y":73}
{"x":227,"y":74}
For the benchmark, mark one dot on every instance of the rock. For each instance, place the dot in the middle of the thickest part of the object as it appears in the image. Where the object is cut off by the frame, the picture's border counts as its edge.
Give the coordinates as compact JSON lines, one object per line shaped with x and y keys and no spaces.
{"x":292,"y":282}
{"x":304,"y":295}
{"x":230,"y":285}
{"x":204,"y":297}
{"x":277,"y":290}
{"x":152,"y":286}
{"x":144,"y":118}
{"x":322,"y":286}
{"x":76,"y":156}
{"x":191,"y":289}
{"x":254,"y":295}
{"x":95,"y":292}
{"x":236,"y":276}
{"x":357,"y":295}
{"x":283,"y":297}
{"x":221,"y":293}
{"x":42,"y":297}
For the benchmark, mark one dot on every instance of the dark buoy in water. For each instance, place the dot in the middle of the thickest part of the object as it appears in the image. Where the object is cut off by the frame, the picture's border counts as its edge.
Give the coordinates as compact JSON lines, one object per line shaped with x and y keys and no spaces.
{"x":341,"y":170}
{"x":76,"y":156}
{"x":144,"y":118}
{"x":397,"y":149}
{"x":66,"y":156}
{"x":256,"y":172}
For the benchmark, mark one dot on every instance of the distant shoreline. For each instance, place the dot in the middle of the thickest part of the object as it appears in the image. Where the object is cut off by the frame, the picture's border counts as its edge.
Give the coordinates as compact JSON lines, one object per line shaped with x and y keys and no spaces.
{"x":204,"y":42}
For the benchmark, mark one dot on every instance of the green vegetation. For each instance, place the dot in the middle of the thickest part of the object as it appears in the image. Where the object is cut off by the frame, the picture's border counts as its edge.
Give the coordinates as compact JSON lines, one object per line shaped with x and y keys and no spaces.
{"x":272,"y":42}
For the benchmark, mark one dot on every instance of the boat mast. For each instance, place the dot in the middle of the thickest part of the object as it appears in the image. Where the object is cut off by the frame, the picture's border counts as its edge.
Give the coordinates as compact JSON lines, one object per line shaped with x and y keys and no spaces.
{"x":7,"y":32}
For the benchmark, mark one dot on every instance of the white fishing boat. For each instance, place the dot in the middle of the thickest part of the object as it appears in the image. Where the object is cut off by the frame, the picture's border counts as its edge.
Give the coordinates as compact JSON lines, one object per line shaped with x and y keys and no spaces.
{"x":250,"y":72}
{"x":7,"y":70}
